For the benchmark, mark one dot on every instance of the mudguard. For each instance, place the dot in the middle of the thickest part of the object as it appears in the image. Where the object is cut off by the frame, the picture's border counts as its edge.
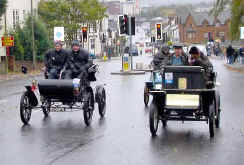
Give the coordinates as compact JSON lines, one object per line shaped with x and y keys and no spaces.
{"x":32,"y":96}
{"x":98,"y":92}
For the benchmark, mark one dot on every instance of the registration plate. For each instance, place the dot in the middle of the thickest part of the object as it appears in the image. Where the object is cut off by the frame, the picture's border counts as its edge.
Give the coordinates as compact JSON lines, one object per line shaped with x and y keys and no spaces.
{"x":182,"y":100}
{"x":182,"y":83}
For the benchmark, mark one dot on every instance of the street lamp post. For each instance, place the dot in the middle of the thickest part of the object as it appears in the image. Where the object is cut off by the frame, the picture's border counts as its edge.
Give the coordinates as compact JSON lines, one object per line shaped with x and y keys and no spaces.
{"x":33,"y":37}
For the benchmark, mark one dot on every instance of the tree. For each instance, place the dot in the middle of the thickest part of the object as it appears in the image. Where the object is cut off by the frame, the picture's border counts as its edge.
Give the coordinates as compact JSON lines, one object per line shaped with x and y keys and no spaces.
{"x":237,"y":14}
{"x":22,"y":47}
{"x":70,"y":14}
{"x":3,"y":4}
{"x":219,"y":6}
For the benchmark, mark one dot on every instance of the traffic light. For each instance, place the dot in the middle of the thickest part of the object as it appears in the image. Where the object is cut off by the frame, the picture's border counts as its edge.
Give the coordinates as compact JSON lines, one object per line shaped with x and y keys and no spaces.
{"x":126,"y":20}
{"x":158,"y":32}
{"x":121,"y":25}
{"x":84,"y":34}
{"x":152,"y":39}
{"x":133,"y":25}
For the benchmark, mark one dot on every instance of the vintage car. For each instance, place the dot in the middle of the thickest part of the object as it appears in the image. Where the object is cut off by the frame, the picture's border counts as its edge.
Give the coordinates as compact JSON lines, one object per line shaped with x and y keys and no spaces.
{"x":58,"y":95}
{"x":182,"y":93}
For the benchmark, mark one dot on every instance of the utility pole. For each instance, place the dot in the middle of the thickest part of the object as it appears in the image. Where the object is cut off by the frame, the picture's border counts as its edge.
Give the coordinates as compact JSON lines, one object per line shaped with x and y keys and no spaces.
{"x":5,"y":34}
{"x":130,"y":35}
{"x":33,"y":37}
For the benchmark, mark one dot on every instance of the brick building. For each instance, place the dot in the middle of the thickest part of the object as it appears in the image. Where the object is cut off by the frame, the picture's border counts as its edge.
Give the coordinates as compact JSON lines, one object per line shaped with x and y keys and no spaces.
{"x":199,"y":27}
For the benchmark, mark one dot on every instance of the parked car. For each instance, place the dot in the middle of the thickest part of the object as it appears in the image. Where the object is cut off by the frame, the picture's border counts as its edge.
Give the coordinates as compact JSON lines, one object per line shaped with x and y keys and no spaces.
{"x":134,"y":51}
{"x":92,"y":56}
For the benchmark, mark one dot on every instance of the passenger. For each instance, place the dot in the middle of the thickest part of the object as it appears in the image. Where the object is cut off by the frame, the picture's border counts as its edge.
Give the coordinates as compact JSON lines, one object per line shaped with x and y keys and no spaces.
{"x":178,"y":58}
{"x":77,"y":64}
{"x":54,"y":61}
{"x":199,"y":59}
{"x":161,"y":58}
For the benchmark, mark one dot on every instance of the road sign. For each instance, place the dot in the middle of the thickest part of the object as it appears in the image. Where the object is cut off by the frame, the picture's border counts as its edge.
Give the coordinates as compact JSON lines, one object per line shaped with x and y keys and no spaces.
{"x":58,"y":33}
{"x":8,"y":41}
{"x":242,"y":33}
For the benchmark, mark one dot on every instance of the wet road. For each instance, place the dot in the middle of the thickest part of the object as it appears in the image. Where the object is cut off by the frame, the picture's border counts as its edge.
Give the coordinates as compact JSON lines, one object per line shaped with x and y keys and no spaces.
{"x":123,"y":136}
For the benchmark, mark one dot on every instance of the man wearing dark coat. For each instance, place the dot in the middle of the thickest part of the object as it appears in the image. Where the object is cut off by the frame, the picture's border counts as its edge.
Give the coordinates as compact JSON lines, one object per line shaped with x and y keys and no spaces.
{"x":77,"y":64}
{"x":54,"y":61}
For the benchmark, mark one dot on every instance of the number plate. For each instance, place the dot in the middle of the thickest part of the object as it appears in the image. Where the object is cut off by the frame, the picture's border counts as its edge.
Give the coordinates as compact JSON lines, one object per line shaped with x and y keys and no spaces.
{"x":182,"y":83}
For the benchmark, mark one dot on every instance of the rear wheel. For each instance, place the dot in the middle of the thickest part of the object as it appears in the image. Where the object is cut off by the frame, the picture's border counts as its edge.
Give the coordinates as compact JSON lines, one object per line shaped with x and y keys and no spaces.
{"x":46,"y":108}
{"x":25,"y":108}
{"x":88,"y":108}
{"x":217,"y":121}
{"x":146,"y":96}
{"x":102,"y":104}
{"x":153,"y":119}
{"x":212,"y":124}
{"x":164,"y":122}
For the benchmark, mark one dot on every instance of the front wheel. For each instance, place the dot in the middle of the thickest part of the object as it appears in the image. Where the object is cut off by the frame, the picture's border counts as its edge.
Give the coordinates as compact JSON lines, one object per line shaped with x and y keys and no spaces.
{"x":46,"y":108}
{"x":153,"y":119}
{"x":212,"y":124}
{"x":88,"y":108}
{"x":102,"y":104}
{"x":146,"y":96}
{"x":25,"y":108}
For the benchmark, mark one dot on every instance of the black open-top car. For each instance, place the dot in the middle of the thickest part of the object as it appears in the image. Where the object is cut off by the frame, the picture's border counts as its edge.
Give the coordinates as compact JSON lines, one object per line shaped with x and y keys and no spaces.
{"x":52,"y":95}
{"x":182,"y":93}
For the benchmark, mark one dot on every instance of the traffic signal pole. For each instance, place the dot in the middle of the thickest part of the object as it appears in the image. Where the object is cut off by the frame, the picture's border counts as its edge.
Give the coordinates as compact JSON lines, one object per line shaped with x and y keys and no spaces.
{"x":130,"y":32}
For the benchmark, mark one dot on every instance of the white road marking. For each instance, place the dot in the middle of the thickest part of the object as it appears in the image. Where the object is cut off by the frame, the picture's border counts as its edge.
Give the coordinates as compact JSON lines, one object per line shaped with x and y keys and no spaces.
{"x":3,"y":101}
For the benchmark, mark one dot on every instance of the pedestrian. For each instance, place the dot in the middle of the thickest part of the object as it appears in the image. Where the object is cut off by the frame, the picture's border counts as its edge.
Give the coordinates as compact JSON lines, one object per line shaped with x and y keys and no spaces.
{"x":241,"y":54}
{"x":54,"y":61}
{"x":230,"y":54}
{"x":77,"y":64}
{"x":235,"y":56}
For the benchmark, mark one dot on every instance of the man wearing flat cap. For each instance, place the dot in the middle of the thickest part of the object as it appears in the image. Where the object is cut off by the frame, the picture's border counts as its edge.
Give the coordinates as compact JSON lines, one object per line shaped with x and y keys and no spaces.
{"x":178,"y":58}
{"x":54,"y":61}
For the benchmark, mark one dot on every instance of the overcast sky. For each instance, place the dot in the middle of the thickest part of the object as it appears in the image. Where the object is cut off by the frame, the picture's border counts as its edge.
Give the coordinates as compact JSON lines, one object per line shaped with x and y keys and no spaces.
{"x":166,"y":2}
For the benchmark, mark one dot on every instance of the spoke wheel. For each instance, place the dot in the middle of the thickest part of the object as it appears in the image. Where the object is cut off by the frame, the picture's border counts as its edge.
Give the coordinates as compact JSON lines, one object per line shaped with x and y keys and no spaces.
{"x":102,"y":104}
{"x":88,"y":108}
{"x":46,"y":108}
{"x":212,"y":124}
{"x":146,"y":96}
{"x":153,"y":119}
{"x":25,"y":108}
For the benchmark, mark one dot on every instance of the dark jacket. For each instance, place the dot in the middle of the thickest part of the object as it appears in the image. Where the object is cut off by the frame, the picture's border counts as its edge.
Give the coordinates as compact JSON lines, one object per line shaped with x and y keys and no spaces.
{"x":183,"y":57}
{"x":204,"y":62}
{"x":230,"y":51}
{"x":55,"y":59}
{"x":78,"y":61}
{"x":159,"y":60}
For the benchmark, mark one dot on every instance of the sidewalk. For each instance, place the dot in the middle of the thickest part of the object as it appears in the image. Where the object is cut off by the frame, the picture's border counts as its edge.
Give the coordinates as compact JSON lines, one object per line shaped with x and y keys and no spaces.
{"x":235,"y":67}
{"x":15,"y":76}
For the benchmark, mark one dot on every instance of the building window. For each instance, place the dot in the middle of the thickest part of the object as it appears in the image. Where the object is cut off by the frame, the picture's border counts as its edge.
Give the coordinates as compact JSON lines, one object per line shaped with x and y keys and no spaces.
{"x":221,"y":34}
{"x":15,"y":18}
{"x":205,"y":35}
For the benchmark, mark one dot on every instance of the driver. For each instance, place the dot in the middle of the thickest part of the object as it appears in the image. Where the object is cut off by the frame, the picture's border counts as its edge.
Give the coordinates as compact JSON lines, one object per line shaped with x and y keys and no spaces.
{"x":178,"y":58}
{"x":77,"y":64}
{"x":54,"y":61}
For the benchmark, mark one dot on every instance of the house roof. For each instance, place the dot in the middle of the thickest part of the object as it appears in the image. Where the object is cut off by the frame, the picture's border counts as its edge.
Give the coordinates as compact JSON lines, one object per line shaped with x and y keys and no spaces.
{"x":200,"y":17}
